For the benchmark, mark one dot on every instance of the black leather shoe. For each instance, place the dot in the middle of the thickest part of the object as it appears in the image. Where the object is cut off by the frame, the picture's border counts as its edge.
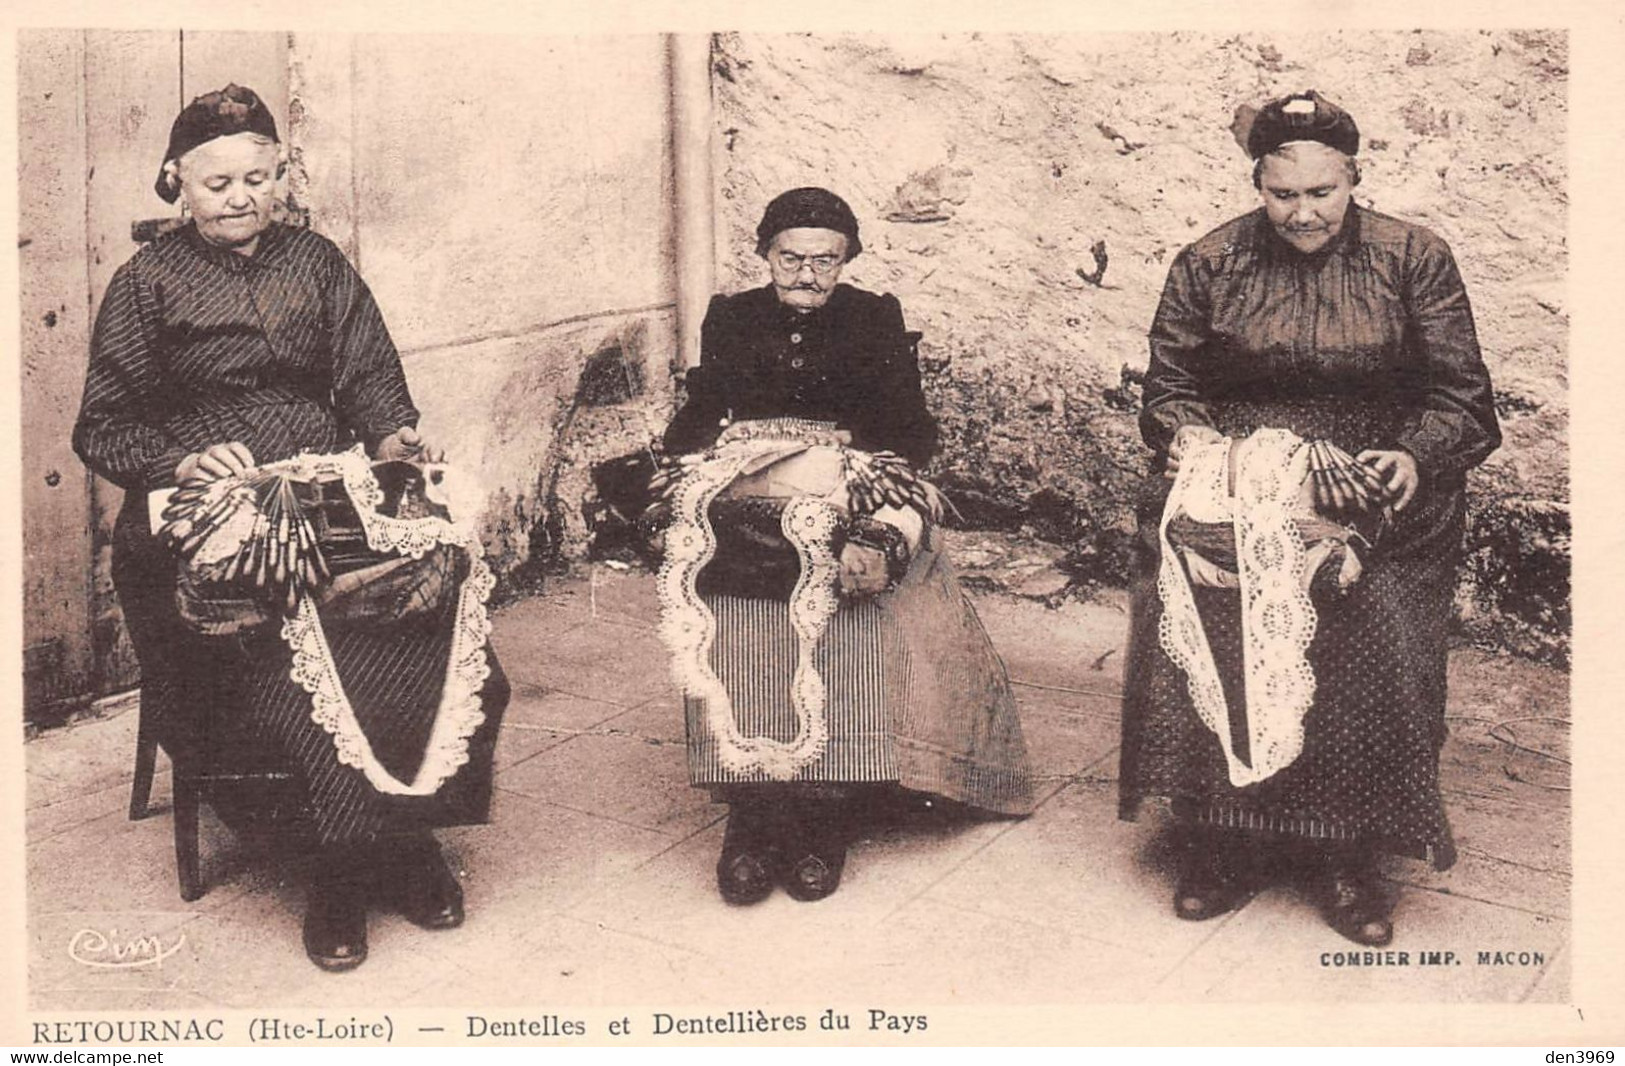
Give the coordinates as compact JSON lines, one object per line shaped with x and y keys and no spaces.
{"x":1354,"y":903}
{"x":814,"y":851}
{"x":1210,"y":883}
{"x":335,"y":927}
{"x":430,"y":895}
{"x":744,"y":872}
{"x":815,"y":875}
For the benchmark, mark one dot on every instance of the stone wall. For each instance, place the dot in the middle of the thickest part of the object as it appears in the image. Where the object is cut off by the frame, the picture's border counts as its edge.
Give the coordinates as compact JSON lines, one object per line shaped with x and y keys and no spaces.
{"x":989,"y":170}
{"x":509,"y":201}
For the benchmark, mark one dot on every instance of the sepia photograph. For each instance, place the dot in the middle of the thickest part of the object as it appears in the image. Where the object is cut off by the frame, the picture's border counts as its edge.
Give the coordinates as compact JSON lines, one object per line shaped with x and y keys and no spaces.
{"x":555,"y":537}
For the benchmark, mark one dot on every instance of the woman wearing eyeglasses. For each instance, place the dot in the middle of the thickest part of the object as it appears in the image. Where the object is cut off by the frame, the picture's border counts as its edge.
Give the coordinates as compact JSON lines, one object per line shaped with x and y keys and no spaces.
{"x":807,"y":346}
{"x":821,"y":377}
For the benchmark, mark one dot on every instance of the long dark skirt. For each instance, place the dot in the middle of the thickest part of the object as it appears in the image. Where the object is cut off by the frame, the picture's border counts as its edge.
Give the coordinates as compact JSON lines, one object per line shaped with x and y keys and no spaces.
{"x":1369,"y":768}
{"x":226,"y":709}
{"x":916,"y":694}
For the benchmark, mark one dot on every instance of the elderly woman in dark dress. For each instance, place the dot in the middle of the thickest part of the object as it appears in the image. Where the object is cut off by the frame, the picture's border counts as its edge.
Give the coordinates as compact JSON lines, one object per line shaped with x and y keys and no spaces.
{"x":1329,"y":320}
{"x":231,"y":342}
{"x":913,"y":694}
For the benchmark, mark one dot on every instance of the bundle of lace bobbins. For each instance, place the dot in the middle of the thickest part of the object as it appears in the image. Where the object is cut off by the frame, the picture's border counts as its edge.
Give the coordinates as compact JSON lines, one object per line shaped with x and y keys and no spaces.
{"x":875,"y":480}
{"x":255,"y":526}
{"x":1343,"y":483}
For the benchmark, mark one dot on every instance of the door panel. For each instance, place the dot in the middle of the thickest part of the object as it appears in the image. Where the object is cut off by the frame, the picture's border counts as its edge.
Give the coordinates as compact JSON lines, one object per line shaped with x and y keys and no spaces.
{"x":57,"y":660}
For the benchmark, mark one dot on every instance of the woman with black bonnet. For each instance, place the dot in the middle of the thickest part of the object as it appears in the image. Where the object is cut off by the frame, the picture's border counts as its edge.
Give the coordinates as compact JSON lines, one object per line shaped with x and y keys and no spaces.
{"x":230,"y":343}
{"x":830,"y":660}
{"x":1315,"y":399}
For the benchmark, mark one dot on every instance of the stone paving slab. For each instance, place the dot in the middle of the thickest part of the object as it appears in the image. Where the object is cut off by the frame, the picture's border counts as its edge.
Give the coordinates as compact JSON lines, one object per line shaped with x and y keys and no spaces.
{"x":1077,"y":645}
{"x":1516,"y":856}
{"x":673,"y":899}
{"x":594,"y":886}
{"x":618,"y":777}
{"x":536,"y":858}
{"x":538,"y":719}
{"x":1062,"y":739}
{"x":561,"y":962}
{"x":62,"y":767}
{"x":596,"y":660}
{"x":134,"y":867}
{"x":1074,"y":867}
{"x":68,"y":814}
{"x":1037,"y":962}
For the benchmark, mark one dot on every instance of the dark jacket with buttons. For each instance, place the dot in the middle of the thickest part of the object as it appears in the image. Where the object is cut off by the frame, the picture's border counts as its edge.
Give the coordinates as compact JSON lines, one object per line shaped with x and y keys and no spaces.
{"x":851,"y":362}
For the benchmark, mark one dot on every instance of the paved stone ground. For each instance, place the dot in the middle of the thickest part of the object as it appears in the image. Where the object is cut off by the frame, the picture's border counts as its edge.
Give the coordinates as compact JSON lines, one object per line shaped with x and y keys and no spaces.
{"x":594,"y":884}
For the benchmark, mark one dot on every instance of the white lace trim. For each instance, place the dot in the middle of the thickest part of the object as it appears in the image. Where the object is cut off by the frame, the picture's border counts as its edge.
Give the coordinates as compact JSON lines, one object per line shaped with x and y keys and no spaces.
{"x":1278,"y":619}
{"x":688,"y":626}
{"x":460,"y":712}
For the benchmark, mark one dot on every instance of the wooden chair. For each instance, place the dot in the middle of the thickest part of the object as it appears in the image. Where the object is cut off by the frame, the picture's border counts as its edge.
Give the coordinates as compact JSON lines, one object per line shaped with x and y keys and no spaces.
{"x":187,"y":792}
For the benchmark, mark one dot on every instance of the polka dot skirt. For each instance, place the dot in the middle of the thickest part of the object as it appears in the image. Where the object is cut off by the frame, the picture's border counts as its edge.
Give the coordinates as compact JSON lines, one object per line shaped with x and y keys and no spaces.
{"x":1369,"y":768}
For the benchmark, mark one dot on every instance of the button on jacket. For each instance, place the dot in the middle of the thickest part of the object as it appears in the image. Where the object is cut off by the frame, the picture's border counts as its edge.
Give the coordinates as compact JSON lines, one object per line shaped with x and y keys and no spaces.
{"x":851,"y":362}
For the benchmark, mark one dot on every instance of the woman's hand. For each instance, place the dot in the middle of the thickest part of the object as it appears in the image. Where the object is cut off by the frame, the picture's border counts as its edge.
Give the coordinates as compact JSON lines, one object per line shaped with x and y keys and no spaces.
{"x":215,"y":462}
{"x":1398,"y":472}
{"x":1184,"y":437}
{"x":404,"y":445}
{"x":863,"y":570}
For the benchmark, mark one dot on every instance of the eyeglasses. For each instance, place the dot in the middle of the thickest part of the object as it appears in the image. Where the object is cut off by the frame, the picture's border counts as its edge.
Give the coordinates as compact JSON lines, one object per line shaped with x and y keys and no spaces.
{"x":791,"y":263}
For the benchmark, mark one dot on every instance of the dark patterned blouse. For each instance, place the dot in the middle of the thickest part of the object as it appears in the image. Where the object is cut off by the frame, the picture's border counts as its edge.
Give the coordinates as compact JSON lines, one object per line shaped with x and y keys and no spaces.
{"x":1368,"y":342}
{"x":1376,"y":323}
{"x":851,"y":362}
{"x":284,"y":351}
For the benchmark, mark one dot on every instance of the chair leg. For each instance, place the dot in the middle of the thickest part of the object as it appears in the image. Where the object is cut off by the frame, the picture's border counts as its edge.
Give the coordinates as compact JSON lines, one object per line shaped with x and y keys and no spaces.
{"x":186,"y":842}
{"x":146,"y":759}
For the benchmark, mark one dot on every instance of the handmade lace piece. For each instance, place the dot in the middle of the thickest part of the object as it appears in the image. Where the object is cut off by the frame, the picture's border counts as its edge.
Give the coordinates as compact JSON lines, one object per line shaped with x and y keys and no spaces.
{"x":459,"y":712}
{"x":803,"y":431}
{"x":1277,"y":617}
{"x":689,"y":628}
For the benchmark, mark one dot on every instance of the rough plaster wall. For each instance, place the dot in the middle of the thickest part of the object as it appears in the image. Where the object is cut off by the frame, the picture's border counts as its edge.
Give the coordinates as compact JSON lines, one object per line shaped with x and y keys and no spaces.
{"x":506,"y":199}
{"x":516,"y":411}
{"x":985,"y":169}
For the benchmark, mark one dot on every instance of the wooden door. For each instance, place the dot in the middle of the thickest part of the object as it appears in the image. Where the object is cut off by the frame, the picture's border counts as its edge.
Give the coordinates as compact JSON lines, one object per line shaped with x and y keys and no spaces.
{"x":94,"y":111}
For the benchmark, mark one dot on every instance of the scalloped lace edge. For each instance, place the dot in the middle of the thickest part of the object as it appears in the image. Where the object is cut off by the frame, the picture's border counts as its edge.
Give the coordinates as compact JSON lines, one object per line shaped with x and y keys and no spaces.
{"x":1278,"y":619}
{"x":688,"y":627}
{"x":460,"y":712}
